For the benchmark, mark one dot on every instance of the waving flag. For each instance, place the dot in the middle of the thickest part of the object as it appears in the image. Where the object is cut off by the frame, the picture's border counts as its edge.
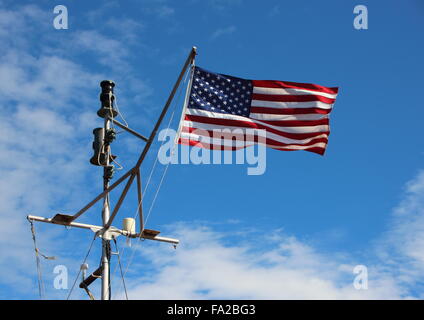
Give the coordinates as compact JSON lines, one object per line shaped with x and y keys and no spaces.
{"x":294,"y":115}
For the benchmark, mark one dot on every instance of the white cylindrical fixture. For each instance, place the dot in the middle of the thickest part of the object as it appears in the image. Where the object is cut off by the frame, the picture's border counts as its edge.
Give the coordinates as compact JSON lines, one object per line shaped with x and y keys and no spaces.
{"x":129,"y":225}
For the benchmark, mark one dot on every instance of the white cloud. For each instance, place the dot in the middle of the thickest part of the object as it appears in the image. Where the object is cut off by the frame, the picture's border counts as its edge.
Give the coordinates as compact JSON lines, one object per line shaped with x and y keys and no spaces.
{"x":207,"y":265}
{"x":223,"y":31}
{"x":48,"y":112}
{"x":402,"y":245}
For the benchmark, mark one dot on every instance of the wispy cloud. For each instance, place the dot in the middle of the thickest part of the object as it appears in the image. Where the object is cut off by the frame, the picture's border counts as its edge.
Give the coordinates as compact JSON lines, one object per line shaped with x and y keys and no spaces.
{"x":214,"y":265}
{"x":223,"y":31}
{"x":47,"y":103}
{"x":211,"y":264}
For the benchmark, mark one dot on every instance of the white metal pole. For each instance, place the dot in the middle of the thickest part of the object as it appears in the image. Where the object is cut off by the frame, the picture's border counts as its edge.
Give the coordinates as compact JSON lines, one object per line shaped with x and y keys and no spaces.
{"x":95,"y":228}
{"x":180,"y":125}
{"x":105,"y":215}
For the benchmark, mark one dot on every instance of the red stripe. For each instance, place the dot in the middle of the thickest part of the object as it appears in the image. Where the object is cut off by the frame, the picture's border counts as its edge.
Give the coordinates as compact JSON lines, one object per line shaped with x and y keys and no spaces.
{"x":296,"y":123}
{"x":294,"y":85}
{"x":291,"y":98}
{"x":205,"y":145}
{"x":210,"y":146}
{"x":247,"y":124}
{"x":267,"y":110}
{"x":247,"y":137}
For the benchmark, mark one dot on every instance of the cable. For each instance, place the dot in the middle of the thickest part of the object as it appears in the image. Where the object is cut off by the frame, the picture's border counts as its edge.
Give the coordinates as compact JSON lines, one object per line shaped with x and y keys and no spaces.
{"x":148,"y":182}
{"x":37,"y":259}
{"x":85,"y":259}
{"x":119,"y":112}
{"x":120,"y":268}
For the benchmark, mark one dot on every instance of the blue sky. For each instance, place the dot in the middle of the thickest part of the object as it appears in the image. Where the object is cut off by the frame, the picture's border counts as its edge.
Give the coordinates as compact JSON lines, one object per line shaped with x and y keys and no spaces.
{"x":295,"y":232}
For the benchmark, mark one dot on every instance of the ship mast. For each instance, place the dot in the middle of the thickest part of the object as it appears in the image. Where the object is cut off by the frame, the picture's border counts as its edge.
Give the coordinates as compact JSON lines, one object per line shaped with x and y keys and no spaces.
{"x":103,"y":137}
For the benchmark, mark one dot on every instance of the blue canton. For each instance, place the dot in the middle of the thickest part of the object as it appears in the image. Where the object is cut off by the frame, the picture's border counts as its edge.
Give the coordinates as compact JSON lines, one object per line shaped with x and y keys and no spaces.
{"x":220,"y":93}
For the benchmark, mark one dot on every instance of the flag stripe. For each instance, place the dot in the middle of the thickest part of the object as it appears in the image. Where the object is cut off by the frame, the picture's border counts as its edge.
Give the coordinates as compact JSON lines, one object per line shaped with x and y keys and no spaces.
{"x":291,"y":98}
{"x":231,"y":120}
{"x":241,"y":144}
{"x":291,"y":105}
{"x":316,"y":148}
{"x":293,"y":85}
{"x":264,"y":116}
{"x":203,"y":129}
{"x":287,"y":111}
{"x":262,"y":90}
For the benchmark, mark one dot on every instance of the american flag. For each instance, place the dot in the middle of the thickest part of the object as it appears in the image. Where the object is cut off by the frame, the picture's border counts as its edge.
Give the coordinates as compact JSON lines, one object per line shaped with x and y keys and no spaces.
{"x":294,"y":115}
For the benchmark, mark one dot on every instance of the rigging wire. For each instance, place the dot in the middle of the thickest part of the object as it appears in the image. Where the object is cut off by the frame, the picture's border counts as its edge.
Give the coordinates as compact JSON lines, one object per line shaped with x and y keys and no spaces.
{"x":119,"y":112}
{"x":37,"y":259}
{"x":149,"y":179}
{"x":120,"y":267}
{"x":38,"y":253}
{"x":85,"y":259}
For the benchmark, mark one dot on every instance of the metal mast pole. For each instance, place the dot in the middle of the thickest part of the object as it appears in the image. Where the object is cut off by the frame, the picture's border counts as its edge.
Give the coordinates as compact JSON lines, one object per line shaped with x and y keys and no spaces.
{"x":105,"y":219}
{"x":107,"y":112}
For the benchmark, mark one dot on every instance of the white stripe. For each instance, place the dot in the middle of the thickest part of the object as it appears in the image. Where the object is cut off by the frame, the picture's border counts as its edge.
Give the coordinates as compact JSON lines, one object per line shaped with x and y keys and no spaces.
{"x":241,"y":144}
{"x":218,"y":115}
{"x":264,"y":116}
{"x":306,"y":129}
{"x":237,"y":130}
{"x":282,"y":105}
{"x":292,"y":91}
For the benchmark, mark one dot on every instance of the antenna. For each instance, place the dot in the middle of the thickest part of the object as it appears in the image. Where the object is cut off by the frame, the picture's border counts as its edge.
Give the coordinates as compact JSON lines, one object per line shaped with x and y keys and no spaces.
{"x":103,"y":137}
